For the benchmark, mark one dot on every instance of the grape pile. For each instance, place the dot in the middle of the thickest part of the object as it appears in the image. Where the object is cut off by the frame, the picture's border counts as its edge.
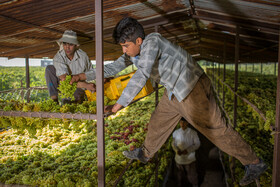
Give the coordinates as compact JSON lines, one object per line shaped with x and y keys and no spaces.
{"x":66,"y":90}
{"x":64,"y":152}
{"x":31,"y":124}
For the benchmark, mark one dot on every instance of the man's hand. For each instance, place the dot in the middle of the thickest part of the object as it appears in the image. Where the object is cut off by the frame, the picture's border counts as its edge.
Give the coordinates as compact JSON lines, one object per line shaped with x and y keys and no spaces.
{"x":112,"y":108}
{"x":108,"y":79}
{"x":184,"y":152}
{"x":89,"y":86}
{"x":77,"y":78}
{"x":62,"y":77}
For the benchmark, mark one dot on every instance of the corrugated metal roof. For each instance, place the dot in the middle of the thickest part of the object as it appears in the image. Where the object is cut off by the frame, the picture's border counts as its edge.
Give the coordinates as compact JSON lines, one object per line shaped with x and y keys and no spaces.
{"x":31,"y":27}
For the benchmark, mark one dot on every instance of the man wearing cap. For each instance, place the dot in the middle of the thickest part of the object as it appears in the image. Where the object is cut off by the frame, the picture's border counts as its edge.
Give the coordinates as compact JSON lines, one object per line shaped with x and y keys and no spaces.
{"x":69,"y":60}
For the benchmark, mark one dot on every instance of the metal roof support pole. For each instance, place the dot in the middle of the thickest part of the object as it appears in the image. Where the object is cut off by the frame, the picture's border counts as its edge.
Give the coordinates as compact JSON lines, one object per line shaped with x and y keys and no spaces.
{"x":215,"y":69}
{"x":236,"y":74}
{"x":224,"y":72}
{"x":27,"y":75}
{"x":218,"y":79}
{"x":100,"y":91}
{"x":276,"y":154}
{"x":275,"y":68}
{"x":156,"y":103}
{"x":213,"y":73}
{"x":236,"y":59}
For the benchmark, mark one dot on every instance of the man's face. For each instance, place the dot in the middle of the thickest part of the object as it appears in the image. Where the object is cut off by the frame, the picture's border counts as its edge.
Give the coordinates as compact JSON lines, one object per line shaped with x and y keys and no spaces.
{"x":132,"y":49}
{"x":69,"y":49}
{"x":183,"y":124}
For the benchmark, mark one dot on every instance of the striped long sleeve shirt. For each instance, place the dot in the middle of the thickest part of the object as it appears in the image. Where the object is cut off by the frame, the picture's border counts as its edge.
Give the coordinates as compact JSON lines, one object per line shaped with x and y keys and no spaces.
{"x":162,"y":61}
{"x":79,"y":64}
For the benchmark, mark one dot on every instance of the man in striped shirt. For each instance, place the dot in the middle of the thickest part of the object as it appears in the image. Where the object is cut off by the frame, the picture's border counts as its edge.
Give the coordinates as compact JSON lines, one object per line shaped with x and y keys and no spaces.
{"x":189,"y":94}
{"x":69,"y":60}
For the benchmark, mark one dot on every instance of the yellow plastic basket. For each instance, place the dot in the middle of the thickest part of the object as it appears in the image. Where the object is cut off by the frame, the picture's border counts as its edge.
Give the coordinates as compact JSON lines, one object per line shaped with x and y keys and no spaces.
{"x":115,"y":87}
{"x":118,"y":84}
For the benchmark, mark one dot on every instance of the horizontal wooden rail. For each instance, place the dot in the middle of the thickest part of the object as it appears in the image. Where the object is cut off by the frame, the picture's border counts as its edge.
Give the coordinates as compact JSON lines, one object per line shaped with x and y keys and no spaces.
{"x":31,"y":88}
{"x":48,"y":115}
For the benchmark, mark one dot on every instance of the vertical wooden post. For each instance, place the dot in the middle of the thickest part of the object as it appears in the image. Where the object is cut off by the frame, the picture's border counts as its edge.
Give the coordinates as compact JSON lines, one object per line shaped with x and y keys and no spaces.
{"x":27,"y":75}
{"x":213,"y":74}
{"x":276,"y":154}
{"x":224,"y":72}
{"x":218,"y":79}
{"x":236,"y":74}
{"x":275,"y":68}
{"x":100,"y":91}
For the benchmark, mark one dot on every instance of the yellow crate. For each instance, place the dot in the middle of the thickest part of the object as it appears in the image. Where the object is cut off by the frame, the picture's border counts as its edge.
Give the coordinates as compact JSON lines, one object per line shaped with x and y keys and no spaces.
{"x":115,"y":87}
{"x":109,"y":91}
{"x":118,"y":84}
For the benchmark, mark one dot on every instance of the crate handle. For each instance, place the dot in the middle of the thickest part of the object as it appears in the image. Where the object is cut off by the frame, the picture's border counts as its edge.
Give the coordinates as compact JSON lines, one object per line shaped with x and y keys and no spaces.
{"x":123,"y":79}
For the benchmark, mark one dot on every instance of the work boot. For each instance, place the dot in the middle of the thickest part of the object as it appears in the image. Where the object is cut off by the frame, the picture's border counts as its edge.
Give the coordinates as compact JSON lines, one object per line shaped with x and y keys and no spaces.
{"x":252,"y":172}
{"x":136,"y":154}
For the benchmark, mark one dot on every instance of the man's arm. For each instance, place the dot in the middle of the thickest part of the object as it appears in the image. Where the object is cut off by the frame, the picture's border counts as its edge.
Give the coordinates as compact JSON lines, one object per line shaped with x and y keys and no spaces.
{"x":89,"y":86}
{"x":175,"y":148}
{"x":109,"y":70}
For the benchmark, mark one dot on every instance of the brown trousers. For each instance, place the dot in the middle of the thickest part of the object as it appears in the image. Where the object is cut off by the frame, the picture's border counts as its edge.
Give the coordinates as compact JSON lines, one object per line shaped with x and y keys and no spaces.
{"x":200,"y":109}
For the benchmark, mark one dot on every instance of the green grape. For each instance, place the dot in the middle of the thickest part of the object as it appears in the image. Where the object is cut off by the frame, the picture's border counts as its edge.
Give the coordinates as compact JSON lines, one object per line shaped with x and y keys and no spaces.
{"x":66,"y":89}
{"x":4,"y":122}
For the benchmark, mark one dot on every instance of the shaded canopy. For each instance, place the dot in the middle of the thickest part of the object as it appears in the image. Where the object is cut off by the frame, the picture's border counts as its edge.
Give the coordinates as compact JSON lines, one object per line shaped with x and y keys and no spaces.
{"x":203,"y":27}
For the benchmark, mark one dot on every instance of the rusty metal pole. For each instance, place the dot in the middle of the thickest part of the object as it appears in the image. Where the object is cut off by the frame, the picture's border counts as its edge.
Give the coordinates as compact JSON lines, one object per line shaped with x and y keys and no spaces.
{"x":236,"y":74}
{"x":275,"y":68}
{"x":100,"y":91}
{"x":224,"y":72}
{"x":218,"y":79}
{"x":27,"y":75}
{"x":213,"y":73}
{"x":232,"y":168}
{"x":276,"y":154}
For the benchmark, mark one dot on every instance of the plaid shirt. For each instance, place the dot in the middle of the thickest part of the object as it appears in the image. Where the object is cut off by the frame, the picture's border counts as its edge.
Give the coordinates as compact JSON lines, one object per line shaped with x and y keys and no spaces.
{"x":79,"y":64}
{"x":160,"y":60}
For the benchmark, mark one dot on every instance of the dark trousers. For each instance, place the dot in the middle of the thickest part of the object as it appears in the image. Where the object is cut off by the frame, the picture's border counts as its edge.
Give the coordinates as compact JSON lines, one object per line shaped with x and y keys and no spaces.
{"x":53,"y":81}
{"x":188,"y":170}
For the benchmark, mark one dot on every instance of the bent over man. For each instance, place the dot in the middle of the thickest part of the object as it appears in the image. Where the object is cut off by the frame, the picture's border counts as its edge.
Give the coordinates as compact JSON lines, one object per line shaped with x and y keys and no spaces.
{"x":188,"y":94}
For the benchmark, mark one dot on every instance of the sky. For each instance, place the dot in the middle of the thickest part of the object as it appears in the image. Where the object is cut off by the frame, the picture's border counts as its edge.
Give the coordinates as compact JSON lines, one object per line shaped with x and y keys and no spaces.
{"x":21,"y":61}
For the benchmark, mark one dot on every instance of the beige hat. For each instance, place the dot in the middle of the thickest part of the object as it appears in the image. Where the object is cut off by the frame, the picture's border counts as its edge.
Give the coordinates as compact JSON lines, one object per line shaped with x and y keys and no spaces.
{"x":69,"y":36}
